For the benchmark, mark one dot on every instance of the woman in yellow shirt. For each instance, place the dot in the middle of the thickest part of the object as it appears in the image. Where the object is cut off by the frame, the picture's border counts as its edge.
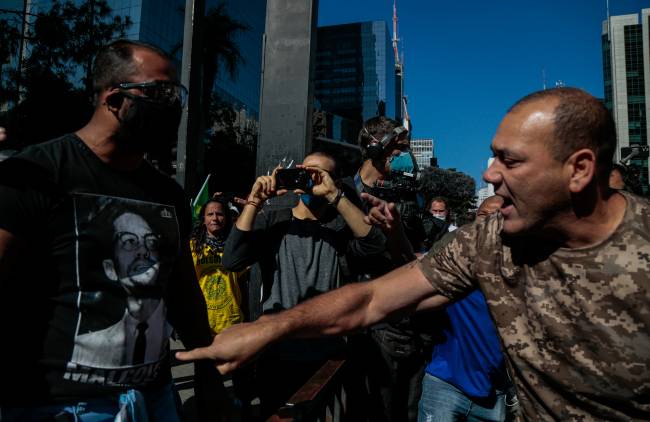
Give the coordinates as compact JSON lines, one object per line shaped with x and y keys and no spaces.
{"x":221,"y":288}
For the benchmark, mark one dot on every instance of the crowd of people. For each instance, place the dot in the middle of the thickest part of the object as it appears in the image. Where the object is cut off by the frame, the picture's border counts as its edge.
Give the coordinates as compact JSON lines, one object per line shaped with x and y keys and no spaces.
{"x":537,"y":310}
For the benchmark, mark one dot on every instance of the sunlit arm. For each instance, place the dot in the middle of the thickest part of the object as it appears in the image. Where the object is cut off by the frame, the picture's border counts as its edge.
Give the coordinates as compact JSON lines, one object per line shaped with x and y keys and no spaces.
{"x":338,"y":312}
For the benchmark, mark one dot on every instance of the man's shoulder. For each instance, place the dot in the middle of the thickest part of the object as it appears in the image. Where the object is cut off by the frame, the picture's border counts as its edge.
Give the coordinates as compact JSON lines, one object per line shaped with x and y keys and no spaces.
{"x":37,"y":166}
{"x":637,"y":209}
{"x":48,"y":152}
{"x":632,"y":237}
{"x":485,"y":233}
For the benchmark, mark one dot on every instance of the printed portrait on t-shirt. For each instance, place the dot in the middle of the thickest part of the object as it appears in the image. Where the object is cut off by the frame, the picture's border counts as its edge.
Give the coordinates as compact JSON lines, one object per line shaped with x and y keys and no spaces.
{"x":125,"y":254}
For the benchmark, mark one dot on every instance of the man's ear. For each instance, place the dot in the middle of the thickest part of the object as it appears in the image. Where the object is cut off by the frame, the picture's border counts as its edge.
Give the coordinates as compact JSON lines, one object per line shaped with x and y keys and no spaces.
{"x":115,"y":100}
{"x":581,"y":166}
{"x":109,"y":269}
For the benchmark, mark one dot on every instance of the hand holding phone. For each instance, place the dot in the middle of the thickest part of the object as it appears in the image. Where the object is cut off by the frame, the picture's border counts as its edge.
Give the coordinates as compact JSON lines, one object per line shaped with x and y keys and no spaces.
{"x":292,"y":179}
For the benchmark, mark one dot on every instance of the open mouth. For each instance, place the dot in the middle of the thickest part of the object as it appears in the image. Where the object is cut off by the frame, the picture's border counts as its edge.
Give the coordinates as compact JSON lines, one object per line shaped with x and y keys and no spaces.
{"x":507,"y":206}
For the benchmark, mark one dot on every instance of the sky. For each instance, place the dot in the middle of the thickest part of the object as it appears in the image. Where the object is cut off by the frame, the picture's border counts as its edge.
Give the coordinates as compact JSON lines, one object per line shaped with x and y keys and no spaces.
{"x":466,"y":62}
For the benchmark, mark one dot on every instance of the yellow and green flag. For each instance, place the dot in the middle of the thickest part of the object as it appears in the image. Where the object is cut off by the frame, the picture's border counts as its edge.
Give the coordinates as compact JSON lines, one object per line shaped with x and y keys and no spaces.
{"x":201,"y":198}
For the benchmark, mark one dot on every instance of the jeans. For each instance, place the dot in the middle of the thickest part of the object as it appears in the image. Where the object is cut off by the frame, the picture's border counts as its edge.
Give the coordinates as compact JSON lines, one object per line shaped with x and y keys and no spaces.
{"x":442,"y":402}
{"x":159,"y":405}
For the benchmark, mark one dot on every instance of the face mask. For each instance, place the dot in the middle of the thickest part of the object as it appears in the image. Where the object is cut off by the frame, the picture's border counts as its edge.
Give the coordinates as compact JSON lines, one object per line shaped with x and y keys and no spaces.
{"x":442,"y":217}
{"x":313,"y":202}
{"x":402,"y":162}
{"x":149,"y":126}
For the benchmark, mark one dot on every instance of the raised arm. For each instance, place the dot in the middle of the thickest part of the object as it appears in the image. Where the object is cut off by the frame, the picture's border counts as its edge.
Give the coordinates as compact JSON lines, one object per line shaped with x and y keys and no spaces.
{"x":340,"y":311}
{"x":243,"y":244}
{"x":326,"y":187}
{"x":263,"y":189}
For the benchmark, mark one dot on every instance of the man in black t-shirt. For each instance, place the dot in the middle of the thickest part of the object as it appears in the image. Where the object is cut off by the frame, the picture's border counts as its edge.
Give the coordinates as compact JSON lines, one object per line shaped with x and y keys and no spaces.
{"x":94,"y":258}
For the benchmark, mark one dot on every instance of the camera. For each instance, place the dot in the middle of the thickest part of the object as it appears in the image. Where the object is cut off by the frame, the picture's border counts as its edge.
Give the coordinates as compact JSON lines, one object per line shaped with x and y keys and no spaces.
{"x":292,"y":179}
{"x":399,"y":186}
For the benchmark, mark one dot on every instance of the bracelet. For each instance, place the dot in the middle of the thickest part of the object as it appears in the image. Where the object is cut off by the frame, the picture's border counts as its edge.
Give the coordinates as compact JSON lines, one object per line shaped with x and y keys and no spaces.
{"x":253,"y":203}
{"x":336,"y":200}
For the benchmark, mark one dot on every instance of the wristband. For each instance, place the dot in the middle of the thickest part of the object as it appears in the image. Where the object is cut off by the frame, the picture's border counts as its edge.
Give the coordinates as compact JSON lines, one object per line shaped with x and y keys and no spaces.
{"x":336,"y":200}
{"x":253,"y":203}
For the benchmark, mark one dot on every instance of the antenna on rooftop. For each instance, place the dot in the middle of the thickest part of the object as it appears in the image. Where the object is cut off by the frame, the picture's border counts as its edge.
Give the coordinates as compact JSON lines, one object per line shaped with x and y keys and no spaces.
{"x":399,"y":71}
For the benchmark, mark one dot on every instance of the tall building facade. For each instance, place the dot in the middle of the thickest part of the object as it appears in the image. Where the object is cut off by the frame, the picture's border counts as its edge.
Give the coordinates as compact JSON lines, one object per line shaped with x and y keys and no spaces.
{"x":626,"y":71}
{"x":354,"y":71}
{"x":160,"y":22}
{"x":423,"y":152}
{"x":486,"y":190}
{"x":242,"y":90}
{"x":156,"y":22}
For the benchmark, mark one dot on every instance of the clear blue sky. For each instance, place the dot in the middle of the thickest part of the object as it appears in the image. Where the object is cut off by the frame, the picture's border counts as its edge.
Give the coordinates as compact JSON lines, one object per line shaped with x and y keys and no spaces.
{"x":467,"y":61}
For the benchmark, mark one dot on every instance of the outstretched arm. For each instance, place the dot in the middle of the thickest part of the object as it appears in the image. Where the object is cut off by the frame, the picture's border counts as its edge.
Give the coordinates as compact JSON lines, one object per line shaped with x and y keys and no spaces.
{"x":337,"y":312}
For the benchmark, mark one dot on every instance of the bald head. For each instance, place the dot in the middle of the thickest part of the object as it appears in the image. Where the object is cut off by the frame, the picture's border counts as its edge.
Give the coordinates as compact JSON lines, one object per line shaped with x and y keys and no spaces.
{"x":489,"y":206}
{"x":581,"y":121}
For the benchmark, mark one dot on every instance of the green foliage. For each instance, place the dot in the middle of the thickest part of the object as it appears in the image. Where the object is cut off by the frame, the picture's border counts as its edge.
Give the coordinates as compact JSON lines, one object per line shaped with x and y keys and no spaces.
{"x":52,"y":94}
{"x":230,"y":155}
{"x":231,"y":152}
{"x":456,"y":187}
{"x":220,"y":51}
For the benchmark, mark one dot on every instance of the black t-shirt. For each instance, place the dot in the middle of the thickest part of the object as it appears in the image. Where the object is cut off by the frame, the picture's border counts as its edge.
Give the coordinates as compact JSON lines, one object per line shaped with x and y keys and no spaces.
{"x":82,"y":290}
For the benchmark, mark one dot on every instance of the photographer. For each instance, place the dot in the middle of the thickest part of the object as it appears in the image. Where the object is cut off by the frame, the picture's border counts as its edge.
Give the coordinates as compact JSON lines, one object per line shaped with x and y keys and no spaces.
{"x":299,"y":254}
{"x":394,"y":352}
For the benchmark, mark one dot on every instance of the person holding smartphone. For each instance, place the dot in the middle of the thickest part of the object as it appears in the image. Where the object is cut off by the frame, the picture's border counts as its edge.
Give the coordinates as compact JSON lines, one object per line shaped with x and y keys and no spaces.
{"x":298,"y":253}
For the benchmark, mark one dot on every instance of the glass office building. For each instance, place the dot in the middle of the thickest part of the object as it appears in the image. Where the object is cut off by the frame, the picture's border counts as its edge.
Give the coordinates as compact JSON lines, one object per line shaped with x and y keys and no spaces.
{"x":423,"y":152}
{"x":243,"y":89}
{"x":354,"y":71}
{"x":160,"y":22}
{"x":626,"y":71}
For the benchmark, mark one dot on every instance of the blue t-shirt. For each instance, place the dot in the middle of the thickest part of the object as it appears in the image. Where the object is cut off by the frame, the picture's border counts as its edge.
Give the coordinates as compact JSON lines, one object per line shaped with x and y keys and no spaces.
{"x":470,"y":356}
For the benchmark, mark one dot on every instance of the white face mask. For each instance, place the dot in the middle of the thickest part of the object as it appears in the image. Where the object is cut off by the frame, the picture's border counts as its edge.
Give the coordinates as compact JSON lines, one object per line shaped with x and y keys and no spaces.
{"x":442,"y":217}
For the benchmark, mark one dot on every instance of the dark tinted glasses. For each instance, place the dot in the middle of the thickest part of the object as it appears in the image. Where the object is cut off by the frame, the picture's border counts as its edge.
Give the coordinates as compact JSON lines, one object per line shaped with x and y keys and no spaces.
{"x":163,"y":92}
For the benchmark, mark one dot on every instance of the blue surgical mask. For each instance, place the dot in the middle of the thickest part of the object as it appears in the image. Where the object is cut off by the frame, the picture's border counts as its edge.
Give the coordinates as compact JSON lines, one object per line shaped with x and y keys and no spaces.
{"x":402,"y":162}
{"x":313,"y":202}
{"x":305,"y":198}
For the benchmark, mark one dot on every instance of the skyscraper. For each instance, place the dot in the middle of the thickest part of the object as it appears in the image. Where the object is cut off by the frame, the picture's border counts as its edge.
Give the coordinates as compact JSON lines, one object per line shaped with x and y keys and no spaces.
{"x":487,"y":189}
{"x":354,"y":76}
{"x":626,"y":70}
{"x":243,"y":89}
{"x":423,"y":151}
{"x":160,"y":22}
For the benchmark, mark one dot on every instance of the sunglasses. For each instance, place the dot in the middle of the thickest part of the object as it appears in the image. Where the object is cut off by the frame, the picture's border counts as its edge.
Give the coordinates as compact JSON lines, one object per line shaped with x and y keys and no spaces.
{"x":163,"y":92}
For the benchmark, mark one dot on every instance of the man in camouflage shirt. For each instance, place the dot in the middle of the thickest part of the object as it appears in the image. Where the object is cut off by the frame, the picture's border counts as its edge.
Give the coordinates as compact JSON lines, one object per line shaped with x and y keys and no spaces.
{"x":564,"y":266}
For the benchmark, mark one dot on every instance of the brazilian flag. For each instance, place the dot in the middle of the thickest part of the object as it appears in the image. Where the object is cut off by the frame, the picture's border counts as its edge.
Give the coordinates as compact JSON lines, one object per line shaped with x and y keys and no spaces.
{"x":201,"y":198}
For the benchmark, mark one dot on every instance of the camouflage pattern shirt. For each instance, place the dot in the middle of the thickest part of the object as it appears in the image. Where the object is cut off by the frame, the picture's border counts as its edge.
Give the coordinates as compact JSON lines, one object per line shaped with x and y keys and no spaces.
{"x":574,"y":323}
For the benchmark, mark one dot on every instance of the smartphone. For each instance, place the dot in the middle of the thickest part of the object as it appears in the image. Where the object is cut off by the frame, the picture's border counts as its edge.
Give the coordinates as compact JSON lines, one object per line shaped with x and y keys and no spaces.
{"x":292,"y":179}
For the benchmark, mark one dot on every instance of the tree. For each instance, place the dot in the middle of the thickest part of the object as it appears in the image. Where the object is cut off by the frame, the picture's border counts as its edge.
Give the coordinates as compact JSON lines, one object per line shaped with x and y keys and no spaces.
{"x":232,"y":139}
{"x":219,"y":50}
{"x":9,"y":43}
{"x":55,"y":82}
{"x":456,"y":187}
{"x":230,"y":153}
